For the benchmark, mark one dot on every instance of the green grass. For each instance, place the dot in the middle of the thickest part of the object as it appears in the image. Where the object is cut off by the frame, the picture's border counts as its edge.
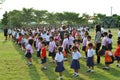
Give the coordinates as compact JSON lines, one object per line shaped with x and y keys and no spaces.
{"x":13,"y":65}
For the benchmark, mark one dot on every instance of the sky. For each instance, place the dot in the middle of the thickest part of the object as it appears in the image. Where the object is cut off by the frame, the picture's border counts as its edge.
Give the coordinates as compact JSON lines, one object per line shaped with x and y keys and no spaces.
{"x":79,"y":6}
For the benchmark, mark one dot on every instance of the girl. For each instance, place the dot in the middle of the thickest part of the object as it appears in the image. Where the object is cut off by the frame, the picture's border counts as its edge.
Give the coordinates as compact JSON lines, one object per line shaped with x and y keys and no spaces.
{"x":90,"y":58}
{"x":71,"y":39}
{"x":28,"y":53}
{"x":20,"y":40}
{"x":75,"y":60}
{"x":88,"y":41}
{"x":52,"y":47}
{"x":43,"y":55}
{"x":117,"y":54}
{"x":84,"y":43}
{"x":108,"y":59}
{"x":65,"y":46}
{"x":59,"y":62}
{"x":39,"y":45}
{"x":109,"y":40}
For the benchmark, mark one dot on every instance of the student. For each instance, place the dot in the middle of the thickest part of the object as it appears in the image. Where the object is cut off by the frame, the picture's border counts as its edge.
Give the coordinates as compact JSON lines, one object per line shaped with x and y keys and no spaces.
{"x":59,"y":62}
{"x":119,"y":34}
{"x":84,"y":43}
{"x":52,"y":47}
{"x":9,"y":32}
{"x":108,"y":59}
{"x":43,"y":55}
{"x":20,"y":40}
{"x":88,"y":41}
{"x":117,"y":54}
{"x":90,"y":58}
{"x":65,"y":46}
{"x":5,"y":33}
{"x":39,"y":46}
{"x":28,"y":53}
{"x":109,"y":40}
{"x":75,"y":60}
{"x":70,"y":41}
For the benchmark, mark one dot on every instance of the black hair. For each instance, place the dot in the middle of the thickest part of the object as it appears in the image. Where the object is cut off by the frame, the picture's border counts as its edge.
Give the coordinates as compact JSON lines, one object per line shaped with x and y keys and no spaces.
{"x":98,"y":28}
{"x":118,"y":42}
{"x":105,"y":33}
{"x":40,"y":38}
{"x":75,"y":48}
{"x":90,"y":45}
{"x":52,"y":38}
{"x":60,"y":49}
{"x":44,"y":43}
{"x":110,"y":35}
{"x":75,"y":41}
{"x":89,"y":37}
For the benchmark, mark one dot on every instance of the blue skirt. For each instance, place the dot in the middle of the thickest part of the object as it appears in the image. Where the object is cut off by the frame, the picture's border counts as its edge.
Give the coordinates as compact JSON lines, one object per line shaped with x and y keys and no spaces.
{"x":59,"y":67}
{"x":75,"y":64}
{"x":117,"y":58}
{"x":28,"y":55}
{"x":90,"y":61}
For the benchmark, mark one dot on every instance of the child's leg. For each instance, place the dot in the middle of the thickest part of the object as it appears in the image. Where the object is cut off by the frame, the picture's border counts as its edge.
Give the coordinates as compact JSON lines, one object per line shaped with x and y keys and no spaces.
{"x":60,"y":73}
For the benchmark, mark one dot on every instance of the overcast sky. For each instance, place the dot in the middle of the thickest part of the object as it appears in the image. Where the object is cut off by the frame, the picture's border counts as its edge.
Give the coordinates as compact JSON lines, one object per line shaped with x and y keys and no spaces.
{"x":78,"y":6}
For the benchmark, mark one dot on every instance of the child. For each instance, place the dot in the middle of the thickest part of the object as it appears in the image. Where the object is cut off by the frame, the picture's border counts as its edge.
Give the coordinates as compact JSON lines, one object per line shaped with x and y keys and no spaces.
{"x":59,"y":62}
{"x":108,"y":59}
{"x":109,"y":40}
{"x":39,"y":45}
{"x":88,"y":41}
{"x":52,"y":47}
{"x":65,"y":46}
{"x":28,"y":53}
{"x":20,"y":39}
{"x":90,"y":58}
{"x":70,"y":41}
{"x":84,"y":43}
{"x":117,"y":54}
{"x":43,"y":55}
{"x":75,"y":60}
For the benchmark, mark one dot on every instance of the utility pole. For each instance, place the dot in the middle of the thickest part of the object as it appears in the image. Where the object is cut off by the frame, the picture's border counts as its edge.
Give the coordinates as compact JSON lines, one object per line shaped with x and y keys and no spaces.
{"x":111,"y":10}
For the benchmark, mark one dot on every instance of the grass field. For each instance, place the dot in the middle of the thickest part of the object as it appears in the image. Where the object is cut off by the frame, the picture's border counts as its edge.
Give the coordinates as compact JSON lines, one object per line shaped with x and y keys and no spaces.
{"x":13,"y":65}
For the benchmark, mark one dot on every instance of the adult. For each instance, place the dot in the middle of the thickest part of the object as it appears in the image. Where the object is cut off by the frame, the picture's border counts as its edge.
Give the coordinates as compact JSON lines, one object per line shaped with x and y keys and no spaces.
{"x":6,"y":33}
{"x":62,"y":32}
{"x":98,"y":41}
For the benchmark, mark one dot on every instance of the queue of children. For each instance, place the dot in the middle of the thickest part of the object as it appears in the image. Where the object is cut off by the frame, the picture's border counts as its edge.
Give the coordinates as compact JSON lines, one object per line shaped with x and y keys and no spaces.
{"x":61,"y":42}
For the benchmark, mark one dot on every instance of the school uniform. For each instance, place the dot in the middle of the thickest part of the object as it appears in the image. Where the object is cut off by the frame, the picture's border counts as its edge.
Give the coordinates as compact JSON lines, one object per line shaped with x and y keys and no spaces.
{"x":59,"y":58}
{"x":119,"y":35}
{"x":39,"y":49}
{"x":75,"y":63}
{"x":108,"y":58}
{"x":104,"y":41}
{"x":65,"y":45}
{"x":84,"y":43}
{"x":109,"y":44}
{"x":90,"y":57}
{"x":31,"y":40}
{"x":52,"y":46}
{"x":29,"y":51}
{"x":70,"y":41}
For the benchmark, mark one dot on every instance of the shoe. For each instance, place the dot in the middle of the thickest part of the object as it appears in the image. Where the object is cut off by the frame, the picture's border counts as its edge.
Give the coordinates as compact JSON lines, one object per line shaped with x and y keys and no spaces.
{"x":43,"y":68}
{"x":60,"y":78}
{"x":92,"y":71}
{"x":89,"y":70}
{"x":105,"y":68}
{"x":76,"y":75}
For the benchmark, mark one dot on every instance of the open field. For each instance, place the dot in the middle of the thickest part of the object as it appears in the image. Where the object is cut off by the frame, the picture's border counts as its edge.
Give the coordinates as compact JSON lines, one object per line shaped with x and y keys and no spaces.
{"x":13,"y":65}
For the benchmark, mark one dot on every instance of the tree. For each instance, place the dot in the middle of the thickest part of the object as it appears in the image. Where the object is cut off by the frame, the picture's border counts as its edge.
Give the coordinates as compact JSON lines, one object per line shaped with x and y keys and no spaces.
{"x":27,"y":15}
{"x":5,"y":18}
{"x":40,"y":16}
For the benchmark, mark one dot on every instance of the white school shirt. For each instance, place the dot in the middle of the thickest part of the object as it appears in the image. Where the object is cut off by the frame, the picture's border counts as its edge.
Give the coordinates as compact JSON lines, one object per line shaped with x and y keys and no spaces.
{"x":90,"y":53}
{"x":119,"y":34}
{"x":9,"y":31}
{"x":76,"y":55}
{"x":70,"y":41}
{"x":47,"y":37}
{"x":29,"y":47}
{"x":59,"y":57}
{"x":65,"y":43}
